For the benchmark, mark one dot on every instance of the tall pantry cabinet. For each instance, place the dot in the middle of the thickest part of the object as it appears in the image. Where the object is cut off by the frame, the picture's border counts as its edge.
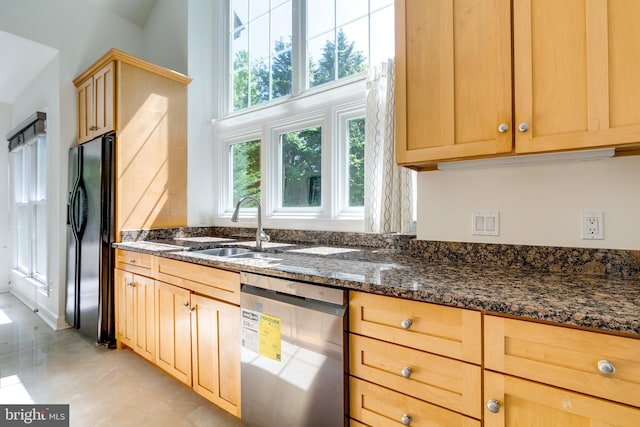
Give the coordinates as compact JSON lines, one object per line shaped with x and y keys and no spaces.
{"x":498,"y":77}
{"x":146,"y":106}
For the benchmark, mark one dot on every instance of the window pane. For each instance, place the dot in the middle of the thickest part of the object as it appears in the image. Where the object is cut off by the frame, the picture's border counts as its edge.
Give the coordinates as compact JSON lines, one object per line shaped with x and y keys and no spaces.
{"x":320,"y":17}
{"x":23,"y":239}
{"x":257,"y":8}
{"x":347,"y":11}
{"x":281,"y":51}
{"x":377,"y":4}
{"x":245,"y":161}
{"x":322,"y":59}
{"x":41,"y":169}
{"x":353,"y":43}
{"x":356,"y":162}
{"x":301,"y":167}
{"x":40,"y":264}
{"x":259,"y":60}
{"x":240,"y":12}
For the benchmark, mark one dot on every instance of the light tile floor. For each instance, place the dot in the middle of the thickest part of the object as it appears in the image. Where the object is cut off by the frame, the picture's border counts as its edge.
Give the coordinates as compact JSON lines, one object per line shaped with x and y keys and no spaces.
{"x":103,"y":387}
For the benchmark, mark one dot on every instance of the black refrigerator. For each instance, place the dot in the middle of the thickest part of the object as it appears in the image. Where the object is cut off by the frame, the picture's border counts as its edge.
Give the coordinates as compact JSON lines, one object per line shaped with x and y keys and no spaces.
{"x":90,"y":234}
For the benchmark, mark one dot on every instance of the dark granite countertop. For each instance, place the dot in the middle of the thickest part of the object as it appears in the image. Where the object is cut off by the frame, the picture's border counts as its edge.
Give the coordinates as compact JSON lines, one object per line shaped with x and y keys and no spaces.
{"x":595,"y":302}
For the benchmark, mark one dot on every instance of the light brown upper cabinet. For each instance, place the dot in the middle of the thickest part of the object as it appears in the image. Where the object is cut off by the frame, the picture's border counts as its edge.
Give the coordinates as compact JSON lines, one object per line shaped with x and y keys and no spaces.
{"x":146,"y":106}
{"x":570,"y":83}
{"x":96,"y":95}
{"x":453,"y":79}
{"x":576,"y":67}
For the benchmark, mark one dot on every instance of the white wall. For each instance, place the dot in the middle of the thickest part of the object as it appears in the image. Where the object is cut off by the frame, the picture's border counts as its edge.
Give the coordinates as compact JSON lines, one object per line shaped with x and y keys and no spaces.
{"x":538,"y":204}
{"x":5,"y":255}
{"x":204,"y":16}
{"x":165,"y":35}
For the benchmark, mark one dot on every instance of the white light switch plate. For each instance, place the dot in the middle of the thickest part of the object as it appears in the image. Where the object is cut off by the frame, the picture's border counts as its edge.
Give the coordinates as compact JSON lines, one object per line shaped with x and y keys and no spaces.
{"x":485,"y":223}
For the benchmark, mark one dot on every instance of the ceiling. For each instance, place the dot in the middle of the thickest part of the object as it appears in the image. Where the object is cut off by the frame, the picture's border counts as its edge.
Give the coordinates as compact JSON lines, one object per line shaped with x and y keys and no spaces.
{"x":29,"y":58}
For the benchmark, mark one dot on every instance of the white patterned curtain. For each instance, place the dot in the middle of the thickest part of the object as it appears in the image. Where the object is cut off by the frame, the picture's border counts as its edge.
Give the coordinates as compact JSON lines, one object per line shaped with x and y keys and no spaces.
{"x":388,"y":204}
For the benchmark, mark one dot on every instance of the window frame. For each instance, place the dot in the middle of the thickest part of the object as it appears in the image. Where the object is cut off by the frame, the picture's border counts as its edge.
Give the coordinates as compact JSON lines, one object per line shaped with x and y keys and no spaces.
{"x":26,"y":194}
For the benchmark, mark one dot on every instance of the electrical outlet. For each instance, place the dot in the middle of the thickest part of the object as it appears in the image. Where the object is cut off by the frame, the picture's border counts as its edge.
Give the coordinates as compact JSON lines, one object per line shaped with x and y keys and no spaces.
{"x":592,"y":225}
{"x":485,"y":223}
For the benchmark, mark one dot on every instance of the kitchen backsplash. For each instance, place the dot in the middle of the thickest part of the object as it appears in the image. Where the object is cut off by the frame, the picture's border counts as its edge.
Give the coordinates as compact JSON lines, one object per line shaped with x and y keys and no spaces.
{"x":599,"y":262}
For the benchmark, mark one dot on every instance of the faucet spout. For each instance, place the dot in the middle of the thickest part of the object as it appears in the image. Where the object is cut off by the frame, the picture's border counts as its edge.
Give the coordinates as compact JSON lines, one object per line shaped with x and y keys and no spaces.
{"x":261,"y":236}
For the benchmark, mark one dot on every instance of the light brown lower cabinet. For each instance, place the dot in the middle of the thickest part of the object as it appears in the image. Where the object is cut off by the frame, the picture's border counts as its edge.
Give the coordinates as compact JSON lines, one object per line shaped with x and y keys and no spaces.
{"x":198,"y":342}
{"x":215,"y":348}
{"x":173,"y":331}
{"x":135,"y":309}
{"x":190,"y":329}
{"x":522,"y":403}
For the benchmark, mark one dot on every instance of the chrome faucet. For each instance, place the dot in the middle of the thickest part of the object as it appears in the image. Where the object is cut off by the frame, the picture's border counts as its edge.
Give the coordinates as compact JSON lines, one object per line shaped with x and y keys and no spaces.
{"x":261,"y":236}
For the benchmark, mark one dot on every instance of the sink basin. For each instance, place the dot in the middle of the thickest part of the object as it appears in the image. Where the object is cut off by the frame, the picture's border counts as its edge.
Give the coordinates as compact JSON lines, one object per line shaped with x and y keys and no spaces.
{"x":252,"y":255}
{"x":224,"y":251}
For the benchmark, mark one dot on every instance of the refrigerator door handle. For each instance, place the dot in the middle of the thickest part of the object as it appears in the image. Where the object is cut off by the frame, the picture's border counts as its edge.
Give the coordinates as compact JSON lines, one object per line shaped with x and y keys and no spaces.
{"x":84,"y":210}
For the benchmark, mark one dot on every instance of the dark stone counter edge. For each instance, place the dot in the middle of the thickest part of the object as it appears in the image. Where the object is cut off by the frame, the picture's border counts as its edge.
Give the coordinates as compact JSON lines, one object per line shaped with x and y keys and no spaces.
{"x":592,"y":323}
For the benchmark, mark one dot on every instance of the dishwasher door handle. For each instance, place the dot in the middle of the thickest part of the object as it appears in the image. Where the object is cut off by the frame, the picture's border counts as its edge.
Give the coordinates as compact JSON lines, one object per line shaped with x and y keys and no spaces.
{"x":306,"y":303}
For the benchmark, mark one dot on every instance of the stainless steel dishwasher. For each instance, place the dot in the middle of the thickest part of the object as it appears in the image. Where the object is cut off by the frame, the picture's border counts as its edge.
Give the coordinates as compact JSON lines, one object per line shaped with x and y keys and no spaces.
{"x":293,"y":360}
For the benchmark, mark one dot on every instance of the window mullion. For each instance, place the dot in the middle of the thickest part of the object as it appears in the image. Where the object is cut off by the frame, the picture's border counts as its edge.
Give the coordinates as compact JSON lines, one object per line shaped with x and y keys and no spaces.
{"x":299,"y":48}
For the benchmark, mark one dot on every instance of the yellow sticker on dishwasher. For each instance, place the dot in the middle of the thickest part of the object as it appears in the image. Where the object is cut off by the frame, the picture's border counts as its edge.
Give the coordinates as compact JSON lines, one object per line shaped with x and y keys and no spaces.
{"x":269,"y":336}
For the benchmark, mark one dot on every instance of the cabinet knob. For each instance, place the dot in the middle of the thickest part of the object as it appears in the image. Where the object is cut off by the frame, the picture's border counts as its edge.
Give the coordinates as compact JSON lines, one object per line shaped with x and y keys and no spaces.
{"x":132,"y":261}
{"x":131,"y":284}
{"x":503,"y":127}
{"x":406,"y":323}
{"x":523,"y":127}
{"x":605,"y":367}
{"x":186,"y":306}
{"x":406,"y":372}
{"x":493,"y":406}
{"x":93,"y":128}
{"x":405,"y":420}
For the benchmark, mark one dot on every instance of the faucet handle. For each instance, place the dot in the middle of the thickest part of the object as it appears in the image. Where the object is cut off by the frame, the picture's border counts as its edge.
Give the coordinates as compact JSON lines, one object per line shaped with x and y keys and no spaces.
{"x":264,"y":236}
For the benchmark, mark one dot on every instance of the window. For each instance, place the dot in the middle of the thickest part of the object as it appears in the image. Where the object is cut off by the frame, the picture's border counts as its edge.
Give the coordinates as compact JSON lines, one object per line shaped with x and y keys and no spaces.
{"x":270,"y":56}
{"x":29,"y":207}
{"x":293,"y":132}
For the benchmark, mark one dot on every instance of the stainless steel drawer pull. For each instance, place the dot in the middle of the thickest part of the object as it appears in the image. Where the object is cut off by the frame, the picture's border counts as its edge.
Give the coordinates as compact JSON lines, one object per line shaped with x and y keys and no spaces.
{"x":606,"y":368}
{"x":493,"y":406}
{"x":406,"y":323}
{"x":406,"y":372}
{"x":405,"y":420}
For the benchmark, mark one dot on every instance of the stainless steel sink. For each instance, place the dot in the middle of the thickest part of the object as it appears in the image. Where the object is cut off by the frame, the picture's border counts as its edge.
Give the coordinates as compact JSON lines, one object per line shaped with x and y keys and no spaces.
{"x":252,"y":255}
{"x":224,"y":251}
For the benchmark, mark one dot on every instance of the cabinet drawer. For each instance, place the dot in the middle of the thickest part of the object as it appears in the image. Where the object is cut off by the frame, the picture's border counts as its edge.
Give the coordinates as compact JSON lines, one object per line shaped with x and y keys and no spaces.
{"x":448,"y":331}
{"x":377,"y":406}
{"x":446,"y":382}
{"x":564,"y":357}
{"x":135,"y":262}
{"x":212,"y":282}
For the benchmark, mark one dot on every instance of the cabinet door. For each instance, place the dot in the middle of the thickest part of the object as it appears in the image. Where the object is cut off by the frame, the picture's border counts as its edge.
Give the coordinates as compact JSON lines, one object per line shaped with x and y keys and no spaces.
{"x":576,"y":67}
{"x":525,"y":403}
{"x":104,"y":96}
{"x":125,"y":307}
{"x":173,"y":333}
{"x":85,"y":111}
{"x":144,"y":338}
{"x":453,"y":79}
{"x":215,"y":338}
